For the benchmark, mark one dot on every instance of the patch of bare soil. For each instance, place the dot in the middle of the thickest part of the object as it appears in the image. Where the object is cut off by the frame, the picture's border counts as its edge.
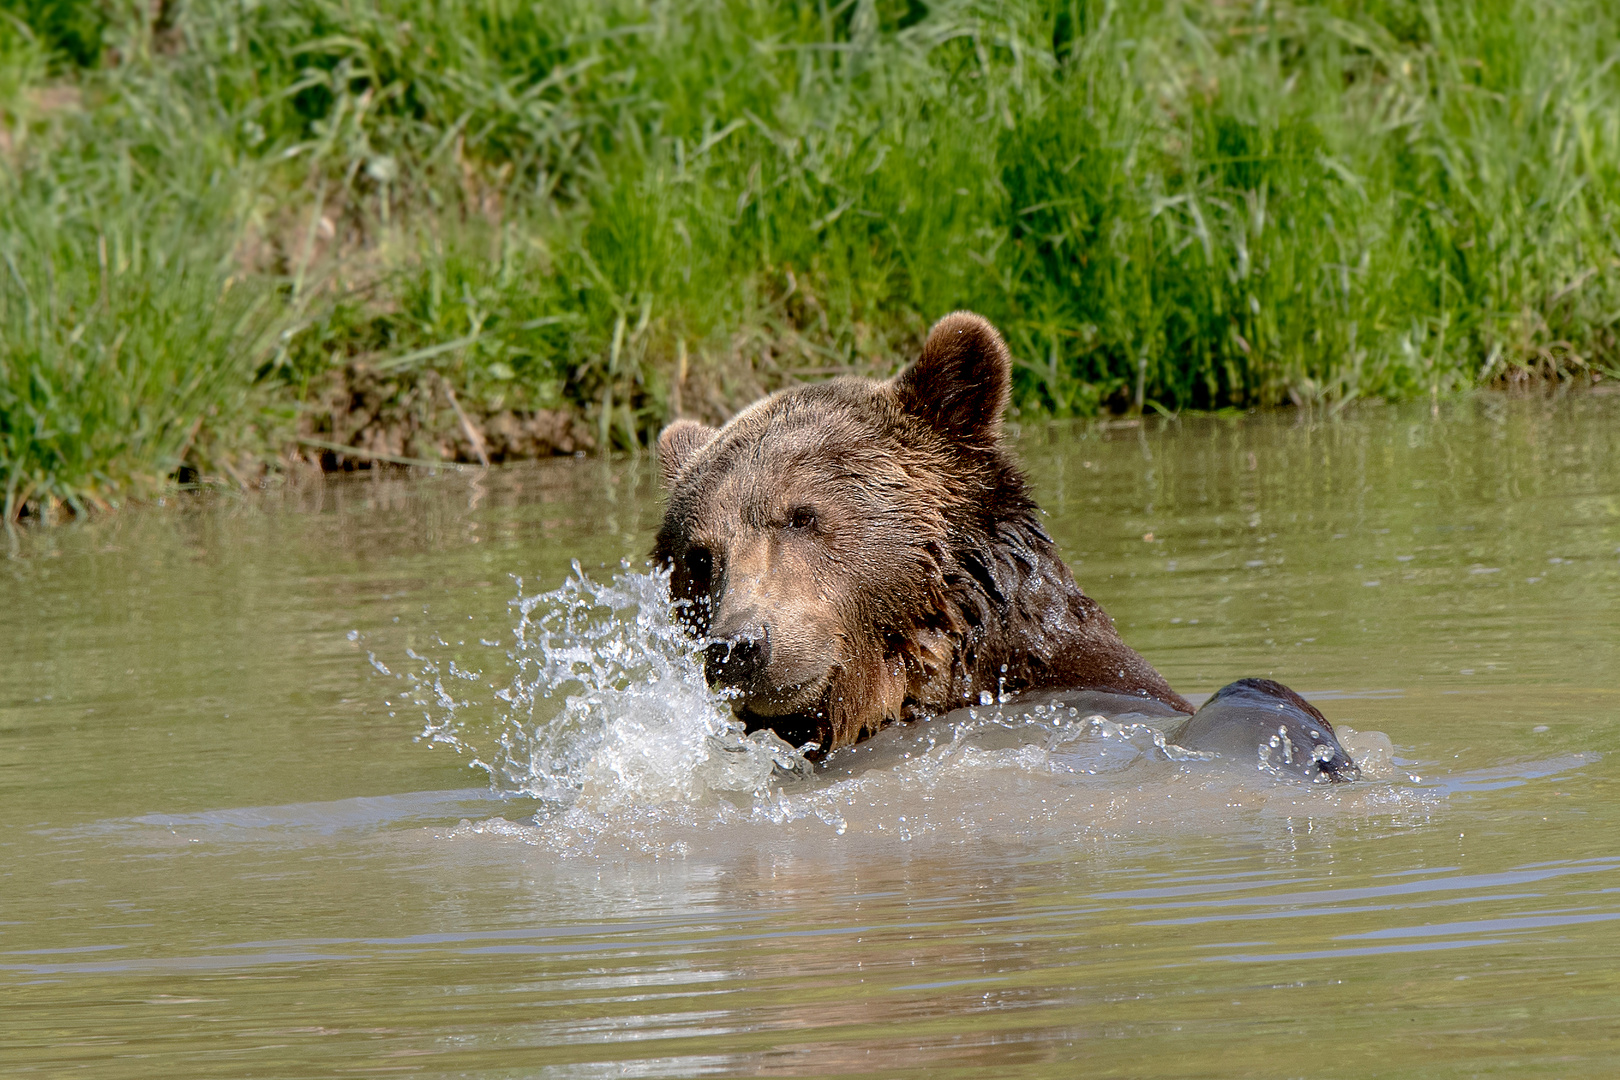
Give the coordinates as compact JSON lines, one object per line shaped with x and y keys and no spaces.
{"x":363,"y":416}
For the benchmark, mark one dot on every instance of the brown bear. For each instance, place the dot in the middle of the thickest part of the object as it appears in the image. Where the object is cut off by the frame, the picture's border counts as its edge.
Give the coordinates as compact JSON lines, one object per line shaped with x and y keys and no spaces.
{"x":858,"y":552}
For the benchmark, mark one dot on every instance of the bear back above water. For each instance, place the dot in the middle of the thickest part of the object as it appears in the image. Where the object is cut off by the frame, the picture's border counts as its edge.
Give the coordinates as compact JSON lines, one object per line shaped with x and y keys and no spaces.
{"x":860,"y":551}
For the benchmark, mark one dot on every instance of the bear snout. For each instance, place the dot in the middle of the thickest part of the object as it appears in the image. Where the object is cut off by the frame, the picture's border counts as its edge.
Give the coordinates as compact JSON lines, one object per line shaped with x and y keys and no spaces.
{"x":737,"y":662}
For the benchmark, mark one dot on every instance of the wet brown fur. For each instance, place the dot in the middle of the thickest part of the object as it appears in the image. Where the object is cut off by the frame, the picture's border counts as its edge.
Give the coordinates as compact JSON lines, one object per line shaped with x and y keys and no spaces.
{"x":881,"y":542}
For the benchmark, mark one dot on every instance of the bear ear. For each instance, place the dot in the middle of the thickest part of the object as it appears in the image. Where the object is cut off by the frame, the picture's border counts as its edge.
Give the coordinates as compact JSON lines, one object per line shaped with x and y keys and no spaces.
{"x":961,"y":384}
{"x":678,"y":443}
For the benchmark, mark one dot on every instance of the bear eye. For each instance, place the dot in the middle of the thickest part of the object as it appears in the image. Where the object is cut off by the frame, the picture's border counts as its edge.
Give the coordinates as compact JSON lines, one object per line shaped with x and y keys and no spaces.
{"x":803,"y":517}
{"x":699,"y":566}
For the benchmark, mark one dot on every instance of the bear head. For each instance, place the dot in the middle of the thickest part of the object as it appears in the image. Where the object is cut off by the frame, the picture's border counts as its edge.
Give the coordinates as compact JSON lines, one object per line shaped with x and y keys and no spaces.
{"x":823,"y":540}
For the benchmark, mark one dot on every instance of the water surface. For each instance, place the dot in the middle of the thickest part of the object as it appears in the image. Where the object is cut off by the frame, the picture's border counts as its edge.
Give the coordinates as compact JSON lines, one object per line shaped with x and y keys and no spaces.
{"x":223,"y":852}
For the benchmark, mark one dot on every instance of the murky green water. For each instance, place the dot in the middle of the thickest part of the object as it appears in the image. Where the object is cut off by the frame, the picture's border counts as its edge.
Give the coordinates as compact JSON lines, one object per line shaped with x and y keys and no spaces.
{"x":222,"y":854}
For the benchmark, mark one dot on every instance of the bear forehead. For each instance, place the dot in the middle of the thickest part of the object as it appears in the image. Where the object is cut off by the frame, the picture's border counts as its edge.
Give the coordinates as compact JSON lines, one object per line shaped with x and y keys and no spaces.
{"x":849,"y":406}
{"x":842,"y":429}
{"x":843,"y":440}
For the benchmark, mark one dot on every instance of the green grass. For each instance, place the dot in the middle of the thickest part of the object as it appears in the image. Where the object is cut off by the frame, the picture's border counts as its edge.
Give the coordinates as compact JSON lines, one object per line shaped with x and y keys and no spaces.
{"x":627,"y":209}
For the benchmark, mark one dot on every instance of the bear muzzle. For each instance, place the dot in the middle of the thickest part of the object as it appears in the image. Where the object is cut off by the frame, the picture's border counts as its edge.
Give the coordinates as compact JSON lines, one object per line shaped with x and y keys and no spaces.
{"x":772,"y":636}
{"x":766,"y":679}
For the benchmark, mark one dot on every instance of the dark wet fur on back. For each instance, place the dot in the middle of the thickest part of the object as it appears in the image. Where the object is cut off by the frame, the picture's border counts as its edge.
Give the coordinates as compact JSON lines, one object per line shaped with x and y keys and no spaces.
{"x":1265,"y":722}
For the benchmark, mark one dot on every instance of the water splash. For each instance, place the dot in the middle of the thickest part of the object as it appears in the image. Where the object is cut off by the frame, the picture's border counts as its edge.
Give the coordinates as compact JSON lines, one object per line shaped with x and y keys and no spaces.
{"x":601,"y":711}
{"x":605,"y":705}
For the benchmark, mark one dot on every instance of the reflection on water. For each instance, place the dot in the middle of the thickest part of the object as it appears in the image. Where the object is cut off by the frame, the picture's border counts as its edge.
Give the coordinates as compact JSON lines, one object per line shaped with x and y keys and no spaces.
{"x":223,"y":854}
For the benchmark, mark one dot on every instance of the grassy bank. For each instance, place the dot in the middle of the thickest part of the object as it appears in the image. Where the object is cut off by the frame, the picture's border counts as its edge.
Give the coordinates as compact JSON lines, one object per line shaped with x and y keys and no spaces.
{"x":237,"y":233}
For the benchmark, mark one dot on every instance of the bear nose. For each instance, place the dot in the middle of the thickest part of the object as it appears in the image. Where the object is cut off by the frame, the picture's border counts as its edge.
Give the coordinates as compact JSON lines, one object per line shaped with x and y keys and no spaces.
{"x":738,"y":661}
